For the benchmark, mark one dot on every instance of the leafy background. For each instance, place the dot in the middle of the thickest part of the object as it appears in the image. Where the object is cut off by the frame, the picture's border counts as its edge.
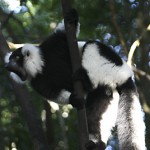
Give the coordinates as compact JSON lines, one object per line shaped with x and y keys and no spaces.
{"x":117,"y":23}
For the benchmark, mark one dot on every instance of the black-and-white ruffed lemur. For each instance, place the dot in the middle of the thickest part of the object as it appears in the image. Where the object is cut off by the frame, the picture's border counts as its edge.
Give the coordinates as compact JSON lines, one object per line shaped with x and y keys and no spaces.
{"x":111,"y":95}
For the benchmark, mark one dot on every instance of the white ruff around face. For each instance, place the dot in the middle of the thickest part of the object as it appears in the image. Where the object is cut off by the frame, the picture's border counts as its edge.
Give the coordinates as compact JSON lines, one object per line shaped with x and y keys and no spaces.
{"x":101,"y":70}
{"x":6,"y":58}
{"x":33,"y":61}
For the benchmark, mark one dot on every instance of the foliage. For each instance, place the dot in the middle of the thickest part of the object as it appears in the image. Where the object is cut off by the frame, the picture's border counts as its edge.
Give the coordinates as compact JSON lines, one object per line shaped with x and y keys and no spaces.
{"x":34,"y":20}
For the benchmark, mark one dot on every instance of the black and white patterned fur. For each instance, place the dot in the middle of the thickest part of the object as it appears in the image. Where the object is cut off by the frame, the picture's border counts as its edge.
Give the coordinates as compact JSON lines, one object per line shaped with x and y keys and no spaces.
{"x":111,"y":96}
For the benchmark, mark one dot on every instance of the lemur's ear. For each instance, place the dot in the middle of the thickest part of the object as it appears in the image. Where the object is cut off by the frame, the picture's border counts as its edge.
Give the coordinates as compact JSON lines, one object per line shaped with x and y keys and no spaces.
{"x":28,"y":53}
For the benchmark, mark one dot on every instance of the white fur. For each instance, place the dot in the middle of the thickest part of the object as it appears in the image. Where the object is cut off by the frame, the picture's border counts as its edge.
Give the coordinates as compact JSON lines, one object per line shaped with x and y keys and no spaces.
{"x":101,"y":70}
{"x":6,"y":58}
{"x":138,"y":123}
{"x":16,"y":78}
{"x":80,"y":46}
{"x":34,"y":62}
{"x":93,"y":138}
{"x":63,"y":97}
{"x":78,"y":30}
{"x":134,"y":135}
{"x":61,"y":27}
{"x":109,"y":118}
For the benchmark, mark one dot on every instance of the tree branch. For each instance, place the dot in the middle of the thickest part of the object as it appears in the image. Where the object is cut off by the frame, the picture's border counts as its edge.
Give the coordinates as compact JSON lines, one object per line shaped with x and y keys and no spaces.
{"x":76,"y":64}
{"x":15,"y":46}
{"x":7,"y":19}
{"x":122,"y":41}
{"x":141,"y":73}
{"x":135,"y":45}
{"x":33,"y":121}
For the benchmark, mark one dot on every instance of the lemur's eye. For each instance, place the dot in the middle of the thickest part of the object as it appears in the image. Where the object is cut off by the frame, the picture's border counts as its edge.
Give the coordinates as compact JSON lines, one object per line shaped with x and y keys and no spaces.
{"x":17,"y":57}
{"x":28,"y":53}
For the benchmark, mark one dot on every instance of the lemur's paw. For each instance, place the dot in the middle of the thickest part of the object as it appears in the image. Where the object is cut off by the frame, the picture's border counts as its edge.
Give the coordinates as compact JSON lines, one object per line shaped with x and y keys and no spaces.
{"x":76,"y":102}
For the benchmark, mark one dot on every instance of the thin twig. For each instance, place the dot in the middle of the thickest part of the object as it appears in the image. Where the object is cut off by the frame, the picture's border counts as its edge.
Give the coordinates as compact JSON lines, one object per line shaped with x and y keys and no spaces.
{"x":135,"y":45}
{"x":122,"y":41}
{"x":141,"y":73}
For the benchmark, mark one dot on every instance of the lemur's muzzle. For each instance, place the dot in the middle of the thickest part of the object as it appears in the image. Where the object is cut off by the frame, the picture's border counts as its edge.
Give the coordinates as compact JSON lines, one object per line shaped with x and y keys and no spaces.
{"x":12,"y":66}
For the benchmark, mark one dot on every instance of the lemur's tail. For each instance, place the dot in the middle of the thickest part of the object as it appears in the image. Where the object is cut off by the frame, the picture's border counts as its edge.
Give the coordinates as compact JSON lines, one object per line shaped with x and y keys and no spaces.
{"x":130,"y":124}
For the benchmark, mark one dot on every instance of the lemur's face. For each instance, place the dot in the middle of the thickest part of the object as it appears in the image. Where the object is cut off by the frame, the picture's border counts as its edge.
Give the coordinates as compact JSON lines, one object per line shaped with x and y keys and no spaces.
{"x":15,"y":64}
{"x":26,"y":61}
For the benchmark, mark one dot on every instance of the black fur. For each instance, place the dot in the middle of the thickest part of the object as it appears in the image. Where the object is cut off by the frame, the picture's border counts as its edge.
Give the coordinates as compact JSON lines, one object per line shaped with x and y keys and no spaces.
{"x":97,"y":102}
{"x":57,"y":71}
{"x":126,"y":104}
{"x":128,"y":86}
{"x":81,"y":75}
{"x":95,"y":146}
{"x":17,"y":53}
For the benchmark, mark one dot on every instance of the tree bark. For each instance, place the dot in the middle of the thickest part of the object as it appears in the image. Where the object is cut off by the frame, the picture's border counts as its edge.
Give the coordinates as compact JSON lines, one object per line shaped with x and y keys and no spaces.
{"x":49,"y":125}
{"x":76,"y":64}
{"x":33,"y":120}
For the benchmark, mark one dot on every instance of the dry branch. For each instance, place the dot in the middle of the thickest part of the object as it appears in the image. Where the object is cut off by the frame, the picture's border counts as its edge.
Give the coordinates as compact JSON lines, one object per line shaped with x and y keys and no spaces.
{"x":141,"y":73}
{"x":135,"y":45}
{"x":114,"y":22}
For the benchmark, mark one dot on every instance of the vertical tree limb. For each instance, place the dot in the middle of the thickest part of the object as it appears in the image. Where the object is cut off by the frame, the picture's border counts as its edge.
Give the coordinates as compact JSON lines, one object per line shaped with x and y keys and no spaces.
{"x":76,"y":63}
{"x":33,"y":120}
{"x":49,"y":125}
